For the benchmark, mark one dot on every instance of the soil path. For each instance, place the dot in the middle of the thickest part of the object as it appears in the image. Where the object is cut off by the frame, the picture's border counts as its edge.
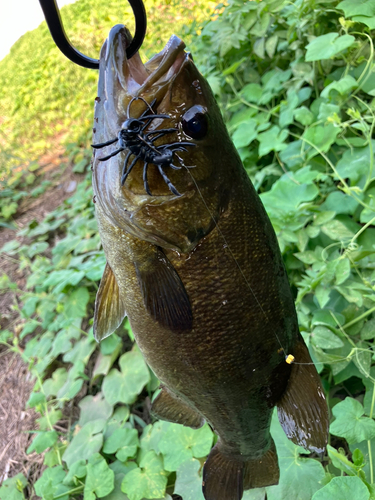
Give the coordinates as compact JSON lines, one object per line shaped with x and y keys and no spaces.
{"x":16,"y":421}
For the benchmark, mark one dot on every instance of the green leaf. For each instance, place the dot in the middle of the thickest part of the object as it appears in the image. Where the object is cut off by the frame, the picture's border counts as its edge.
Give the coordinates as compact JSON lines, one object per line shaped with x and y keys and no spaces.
{"x":343,"y":86}
{"x":75,"y":305}
{"x":354,"y":164}
{"x":120,"y":470}
{"x":342,"y":271}
{"x":319,"y":138}
{"x":324,"y":338}
{"x":124,"y":442}
{"x":295,"y":470}
{"x":12,"y":489}
{"x":357,"y":8}
{"x":350,"y":422}
{"x":368,"y":330}
{"x":42,"y":441}
{"x":252,"y":92}
{"x":93,"y":408}
{"x":337,"y":231}
{"x":303,"y":115}
{"x":99,"y":479}
{"x":77,"y":471}
{"x":124,"y":386}
{"x":86,"y":443}
{"x":52,"y":385}
{"x":189,"y":480}
{"x":327,"y":46}
{"x":340,"y":461}
{"x":180,"y":443}
{"x":343,"y":488}
{"x":272,"y":140}
{"x":50,"y":484}
{"x":36,"y":399}
{"x":245,"y":133}
{"x":147,"y":481}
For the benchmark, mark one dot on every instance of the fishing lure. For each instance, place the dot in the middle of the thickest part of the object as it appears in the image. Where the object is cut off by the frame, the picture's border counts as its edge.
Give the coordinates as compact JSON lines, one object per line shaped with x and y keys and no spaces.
{"x":140,"y":143}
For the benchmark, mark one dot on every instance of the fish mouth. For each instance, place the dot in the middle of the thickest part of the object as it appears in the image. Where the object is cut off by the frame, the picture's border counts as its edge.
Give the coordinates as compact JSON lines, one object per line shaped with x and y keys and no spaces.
{"x":127,"y":78}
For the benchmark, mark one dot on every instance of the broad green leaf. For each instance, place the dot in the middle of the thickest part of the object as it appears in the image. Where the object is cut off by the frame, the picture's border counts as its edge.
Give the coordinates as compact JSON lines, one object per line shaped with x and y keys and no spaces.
{"x":120,"y":470}
{"x":350,"y":422}
{"x":42,"y":441}
{"x":357,"y":8}
{"x":77,"y":471}
{"x":36,"y":399}
{"x":252,"y":92}
{"x":75,"y":305}
{"x":286,"y":195}
{"x":300,"y":477}
{"x":327,"y":46}
{"x":272,"y":140}
{"x":180,"y":443}
{"x":343,"y":488}
{"x":99,"y":479}
{"x":50,"y":418}
{"x":337,"y":231}
{"x":124,"y":442}
{"x":354,"y":164}
{"x":124,"y":386}
{"x":343,"y":86}
{"x":93,"y":408}
{"x":303,"y":115}
{"x":324,"y":338}
{"x":50,"y":484}
{"x":147,"y":481}
{"x":117,"y":421}
{"x":12,"y":488}
{"x":189,"y":480}
{"x":320,"y":138}
{"x":245,"y":133}
{"x":86,"y":443}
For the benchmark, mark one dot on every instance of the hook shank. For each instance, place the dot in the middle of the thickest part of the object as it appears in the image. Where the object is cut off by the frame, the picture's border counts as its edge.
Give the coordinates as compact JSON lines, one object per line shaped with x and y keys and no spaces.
{"x":53,"y":19}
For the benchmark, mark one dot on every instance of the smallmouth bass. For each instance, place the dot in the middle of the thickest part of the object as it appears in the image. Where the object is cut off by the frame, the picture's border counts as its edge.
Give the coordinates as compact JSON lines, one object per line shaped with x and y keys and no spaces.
{"x":193,"y":261}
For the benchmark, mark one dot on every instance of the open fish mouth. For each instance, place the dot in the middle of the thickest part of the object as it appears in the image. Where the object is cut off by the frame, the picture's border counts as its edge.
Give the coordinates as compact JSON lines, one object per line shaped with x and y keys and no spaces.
{"x":128,"y":78}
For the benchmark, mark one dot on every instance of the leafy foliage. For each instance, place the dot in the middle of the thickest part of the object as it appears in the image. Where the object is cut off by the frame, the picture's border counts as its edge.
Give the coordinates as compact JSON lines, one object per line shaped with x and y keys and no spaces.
{"x":295,"y":81}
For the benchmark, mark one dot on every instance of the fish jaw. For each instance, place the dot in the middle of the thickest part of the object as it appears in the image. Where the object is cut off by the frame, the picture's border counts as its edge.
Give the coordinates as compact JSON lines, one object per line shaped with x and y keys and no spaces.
{"x":171,"y":79}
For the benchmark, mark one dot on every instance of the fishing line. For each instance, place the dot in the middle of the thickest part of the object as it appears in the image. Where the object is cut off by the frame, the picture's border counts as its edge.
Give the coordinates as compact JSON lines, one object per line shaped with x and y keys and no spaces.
{"x":289,"y":358}
{"x":230,"y":250}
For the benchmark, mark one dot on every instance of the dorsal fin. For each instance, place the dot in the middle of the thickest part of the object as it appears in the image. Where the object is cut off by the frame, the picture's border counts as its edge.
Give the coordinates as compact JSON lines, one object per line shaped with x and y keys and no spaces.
{"x":163,"y":293}
{"x":109,"y":306}
{"x":302,"y":410}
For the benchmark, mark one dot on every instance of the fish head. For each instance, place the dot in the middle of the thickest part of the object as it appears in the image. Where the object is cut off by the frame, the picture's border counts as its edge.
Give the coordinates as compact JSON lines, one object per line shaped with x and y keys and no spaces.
{"x":171,"y":177}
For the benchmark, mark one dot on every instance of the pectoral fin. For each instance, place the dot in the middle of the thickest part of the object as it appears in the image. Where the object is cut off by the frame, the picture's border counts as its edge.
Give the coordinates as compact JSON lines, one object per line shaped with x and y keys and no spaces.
{"x":302,"y":410}
{"x":163,"y":292}
{"x":109,"y":306}
{"x":169,"y":407}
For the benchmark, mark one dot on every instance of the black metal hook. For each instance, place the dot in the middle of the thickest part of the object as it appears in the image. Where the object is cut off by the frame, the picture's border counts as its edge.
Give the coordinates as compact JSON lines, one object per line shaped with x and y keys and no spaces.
{"x":53,"y":19}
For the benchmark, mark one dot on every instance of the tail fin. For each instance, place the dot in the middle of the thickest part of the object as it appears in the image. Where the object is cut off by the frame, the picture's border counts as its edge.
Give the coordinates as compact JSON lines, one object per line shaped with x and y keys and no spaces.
{"x":225,"y":477}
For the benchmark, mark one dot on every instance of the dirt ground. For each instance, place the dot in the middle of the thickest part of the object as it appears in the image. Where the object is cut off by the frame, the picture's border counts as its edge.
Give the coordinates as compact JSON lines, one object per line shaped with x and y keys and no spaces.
{"x":16,"y":421}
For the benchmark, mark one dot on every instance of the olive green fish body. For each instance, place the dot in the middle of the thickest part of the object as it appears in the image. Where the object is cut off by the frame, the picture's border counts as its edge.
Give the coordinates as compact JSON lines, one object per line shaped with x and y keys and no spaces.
{"x":200,"y":276}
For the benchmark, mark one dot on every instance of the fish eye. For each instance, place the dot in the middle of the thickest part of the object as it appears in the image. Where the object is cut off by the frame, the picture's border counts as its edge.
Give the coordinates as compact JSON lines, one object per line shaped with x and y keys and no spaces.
{"x":195,"y":123}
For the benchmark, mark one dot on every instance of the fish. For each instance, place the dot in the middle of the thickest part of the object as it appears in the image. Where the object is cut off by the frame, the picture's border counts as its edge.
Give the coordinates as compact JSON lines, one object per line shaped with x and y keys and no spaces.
{"x":194,"y":263}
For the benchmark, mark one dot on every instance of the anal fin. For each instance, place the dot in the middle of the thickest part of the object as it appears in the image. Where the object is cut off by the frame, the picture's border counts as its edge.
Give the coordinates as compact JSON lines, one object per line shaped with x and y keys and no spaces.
{"x":109,"y":306}
{"x":163,"y":292}
{"x":302,"y":410}
{"x":171,"y":408}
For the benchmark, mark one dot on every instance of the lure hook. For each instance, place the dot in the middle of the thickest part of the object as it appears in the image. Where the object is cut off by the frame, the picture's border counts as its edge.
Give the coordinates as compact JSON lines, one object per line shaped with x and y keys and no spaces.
{"x":54,"y":23}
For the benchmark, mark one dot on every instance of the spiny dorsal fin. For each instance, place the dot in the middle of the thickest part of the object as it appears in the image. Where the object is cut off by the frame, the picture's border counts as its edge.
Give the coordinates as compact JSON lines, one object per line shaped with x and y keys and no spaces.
{"x":167,"y":406}
{"x":164,"y":294}
{"x":109,"y":306}
{"x":302,"y":410}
